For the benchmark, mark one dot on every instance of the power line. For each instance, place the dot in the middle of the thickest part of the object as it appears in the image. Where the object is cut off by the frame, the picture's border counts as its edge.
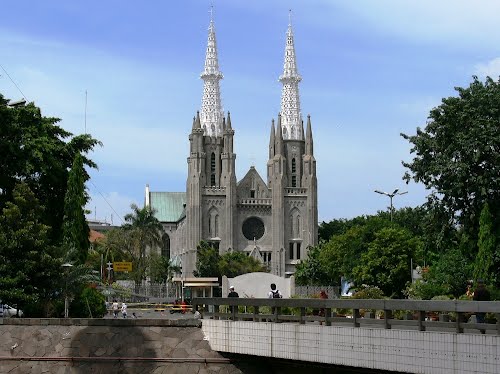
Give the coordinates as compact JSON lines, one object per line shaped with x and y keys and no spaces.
{"x":14,"y":83}
{"x":107,"y":202}
{"x":24,"y":96}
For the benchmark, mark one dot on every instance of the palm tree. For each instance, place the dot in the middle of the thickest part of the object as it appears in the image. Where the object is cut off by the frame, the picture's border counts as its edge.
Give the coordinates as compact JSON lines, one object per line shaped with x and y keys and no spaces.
{"x":144,"y":233}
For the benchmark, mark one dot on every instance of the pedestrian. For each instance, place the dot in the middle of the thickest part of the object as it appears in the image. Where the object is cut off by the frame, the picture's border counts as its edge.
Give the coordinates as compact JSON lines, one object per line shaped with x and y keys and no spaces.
{"x":481,"y":294}
{"x":115,"y":308}
{"x":274,"y":293}
{"x":322,"y":295}
{"x":232,"y":292}
{"x":124,"y":310}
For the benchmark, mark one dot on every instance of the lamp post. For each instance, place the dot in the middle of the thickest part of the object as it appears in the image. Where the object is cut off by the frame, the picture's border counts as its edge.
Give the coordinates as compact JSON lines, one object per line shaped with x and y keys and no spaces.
{"x":391,"y":196}
{"x":66,"y":268}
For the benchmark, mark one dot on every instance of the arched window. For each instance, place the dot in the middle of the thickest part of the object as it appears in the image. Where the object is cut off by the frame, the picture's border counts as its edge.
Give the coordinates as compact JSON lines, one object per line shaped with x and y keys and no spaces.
{"x":294,"y":167}
{"x":165,"y":251}
{"x":212,"y":169}
{"x":294,"y":170}
{"x":216,"y":226}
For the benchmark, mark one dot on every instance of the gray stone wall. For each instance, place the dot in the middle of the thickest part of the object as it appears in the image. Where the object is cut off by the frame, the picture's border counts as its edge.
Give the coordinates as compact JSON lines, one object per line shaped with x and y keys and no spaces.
{"x":107,"y":346}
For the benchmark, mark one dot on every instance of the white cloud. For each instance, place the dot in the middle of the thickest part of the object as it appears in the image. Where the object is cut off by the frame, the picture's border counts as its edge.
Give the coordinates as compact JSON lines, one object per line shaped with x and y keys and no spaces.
{"x":490,"y":68}
{"x":458,"y":22}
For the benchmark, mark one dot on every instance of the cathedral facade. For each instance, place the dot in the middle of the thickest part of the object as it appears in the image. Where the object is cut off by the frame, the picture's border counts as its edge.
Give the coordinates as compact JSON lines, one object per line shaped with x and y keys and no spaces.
{"x":274,"y":220}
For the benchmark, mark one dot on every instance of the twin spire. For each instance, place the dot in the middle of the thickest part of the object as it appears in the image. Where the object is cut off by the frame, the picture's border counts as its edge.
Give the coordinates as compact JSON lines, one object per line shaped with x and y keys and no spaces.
{"x":212,"y":114}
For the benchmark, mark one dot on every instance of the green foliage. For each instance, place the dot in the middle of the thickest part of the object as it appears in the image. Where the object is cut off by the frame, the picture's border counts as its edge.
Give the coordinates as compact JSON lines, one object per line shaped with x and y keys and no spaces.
{"x":421,"y":290}
{"x":207,"y":261}
{"x":386,"y":264}
{"x":142,"y":230}
{"x":75,"y":228}
{"x":29,"y":266}
{"x":234,"y":263}
{"x":486,"y":243}
{"x":88,"y":303}
{"x":311,"y":271}
{"x":457,"y":155}
{"x":450,"y":273}
{"x":368,"y":292}
{"x":159,"y":268}
{"x":33,"y":149}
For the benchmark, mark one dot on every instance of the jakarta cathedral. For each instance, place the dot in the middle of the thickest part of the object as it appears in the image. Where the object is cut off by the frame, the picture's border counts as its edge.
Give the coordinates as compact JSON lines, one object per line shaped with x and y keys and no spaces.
{"x":273,"y":220}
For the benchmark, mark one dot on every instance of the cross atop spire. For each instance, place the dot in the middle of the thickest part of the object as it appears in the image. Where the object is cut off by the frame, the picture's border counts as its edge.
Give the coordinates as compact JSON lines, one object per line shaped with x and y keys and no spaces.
{"x":211,"y":104}
{"x":290,"y":102}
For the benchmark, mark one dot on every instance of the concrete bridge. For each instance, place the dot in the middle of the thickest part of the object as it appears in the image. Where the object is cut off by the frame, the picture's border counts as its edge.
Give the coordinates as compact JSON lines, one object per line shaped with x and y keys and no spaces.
{"x":407,"y":336}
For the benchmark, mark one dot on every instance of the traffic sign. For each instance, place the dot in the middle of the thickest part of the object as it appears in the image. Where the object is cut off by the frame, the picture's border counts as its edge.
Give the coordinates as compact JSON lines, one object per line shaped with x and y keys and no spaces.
{"x":122,"y":266}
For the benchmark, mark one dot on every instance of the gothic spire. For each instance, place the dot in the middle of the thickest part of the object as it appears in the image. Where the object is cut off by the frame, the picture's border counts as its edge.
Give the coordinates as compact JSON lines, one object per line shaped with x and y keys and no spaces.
{"x":211,"y":104}
{"x":290,"y":102}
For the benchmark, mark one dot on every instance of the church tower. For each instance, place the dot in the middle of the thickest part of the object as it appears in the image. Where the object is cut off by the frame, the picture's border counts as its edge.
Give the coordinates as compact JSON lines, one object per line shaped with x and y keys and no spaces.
{"x":211,"y":182}
{"x":274,"y":222}
{"x":291,"y":171}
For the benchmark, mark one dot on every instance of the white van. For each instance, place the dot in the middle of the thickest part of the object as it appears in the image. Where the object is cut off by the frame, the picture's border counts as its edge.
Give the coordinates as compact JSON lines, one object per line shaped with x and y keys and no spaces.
{"x":8,"y":311}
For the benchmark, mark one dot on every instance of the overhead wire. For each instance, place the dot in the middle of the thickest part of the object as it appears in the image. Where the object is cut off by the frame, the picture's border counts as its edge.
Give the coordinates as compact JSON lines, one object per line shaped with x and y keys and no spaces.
{"x":97,"y":189}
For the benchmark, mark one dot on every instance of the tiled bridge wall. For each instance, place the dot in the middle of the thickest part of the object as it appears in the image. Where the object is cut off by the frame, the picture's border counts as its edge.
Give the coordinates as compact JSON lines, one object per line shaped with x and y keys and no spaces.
{"x":374,"y":348}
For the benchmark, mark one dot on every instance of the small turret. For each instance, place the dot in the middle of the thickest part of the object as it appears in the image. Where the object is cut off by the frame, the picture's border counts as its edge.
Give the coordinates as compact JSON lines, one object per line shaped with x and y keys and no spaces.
{"x":309,"y":137}
{"x":280,"y":149}
{"x":272,"y":140}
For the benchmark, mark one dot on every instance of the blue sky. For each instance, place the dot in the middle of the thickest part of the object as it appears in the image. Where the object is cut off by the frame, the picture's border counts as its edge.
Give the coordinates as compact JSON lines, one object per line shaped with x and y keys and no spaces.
{"x":371,"y":70}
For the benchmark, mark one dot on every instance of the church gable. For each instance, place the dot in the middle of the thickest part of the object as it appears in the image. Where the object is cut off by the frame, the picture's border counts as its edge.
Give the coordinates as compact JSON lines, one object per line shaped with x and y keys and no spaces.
{"x":252,"y":186}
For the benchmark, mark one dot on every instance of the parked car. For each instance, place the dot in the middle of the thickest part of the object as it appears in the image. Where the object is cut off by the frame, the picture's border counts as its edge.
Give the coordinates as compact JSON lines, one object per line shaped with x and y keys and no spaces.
{"x":8,"y":311}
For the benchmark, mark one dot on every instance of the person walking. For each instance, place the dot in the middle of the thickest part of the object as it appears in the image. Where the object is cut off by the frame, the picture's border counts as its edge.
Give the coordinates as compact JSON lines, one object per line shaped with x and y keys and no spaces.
{"x":274,"y":293}
{"x":232,"y":292}
{"x":124,"y":310}
{"x":115,"y":308}
{"x":481,"y":294}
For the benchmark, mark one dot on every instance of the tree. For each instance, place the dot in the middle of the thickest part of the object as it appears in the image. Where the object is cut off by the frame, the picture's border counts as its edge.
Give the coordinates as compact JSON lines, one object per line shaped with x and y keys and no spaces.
{"x":386,"y":264}
{"x":144,"y":232}
{"x":235,"y":263}
{"x":36,"y":151}
{"x":207,"y":261}
{"x":29,"y":265}
{"x":457,"y":155}
{"x":483,"y":265}
{"x":311,"y":271}
{"x":75,"y":228}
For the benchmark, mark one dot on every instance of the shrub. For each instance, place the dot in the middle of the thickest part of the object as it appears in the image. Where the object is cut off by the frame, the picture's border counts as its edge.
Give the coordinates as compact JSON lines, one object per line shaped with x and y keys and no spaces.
{"x":89,"y":303}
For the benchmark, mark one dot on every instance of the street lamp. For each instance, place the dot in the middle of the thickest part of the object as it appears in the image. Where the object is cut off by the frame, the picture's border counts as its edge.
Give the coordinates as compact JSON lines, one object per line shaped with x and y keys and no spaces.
{"x":66,"y":267}
{"x":391,"y":195}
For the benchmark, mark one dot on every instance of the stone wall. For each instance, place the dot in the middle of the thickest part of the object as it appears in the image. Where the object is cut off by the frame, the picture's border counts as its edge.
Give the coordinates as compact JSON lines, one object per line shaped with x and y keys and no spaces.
{"x":107,"y":346}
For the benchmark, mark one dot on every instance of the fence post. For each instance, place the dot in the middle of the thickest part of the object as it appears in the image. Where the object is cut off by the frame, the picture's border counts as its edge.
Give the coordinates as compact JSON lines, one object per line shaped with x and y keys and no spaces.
{"x":328,"y":316}
{"x":255,"y":314}
{"x":355,"y":317}
{"x":387,"y":318}
{"x":302,"y":315}
{"x":498,"y":323}
{"x":421,"y":319}
{"x":458,"y":323}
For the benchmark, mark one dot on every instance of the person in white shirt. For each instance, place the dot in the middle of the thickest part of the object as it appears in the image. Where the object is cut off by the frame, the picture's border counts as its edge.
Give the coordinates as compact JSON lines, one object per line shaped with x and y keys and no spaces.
{"x":124,"y":310}
{"x":274,"y":293}
{"x":115,"y":308}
